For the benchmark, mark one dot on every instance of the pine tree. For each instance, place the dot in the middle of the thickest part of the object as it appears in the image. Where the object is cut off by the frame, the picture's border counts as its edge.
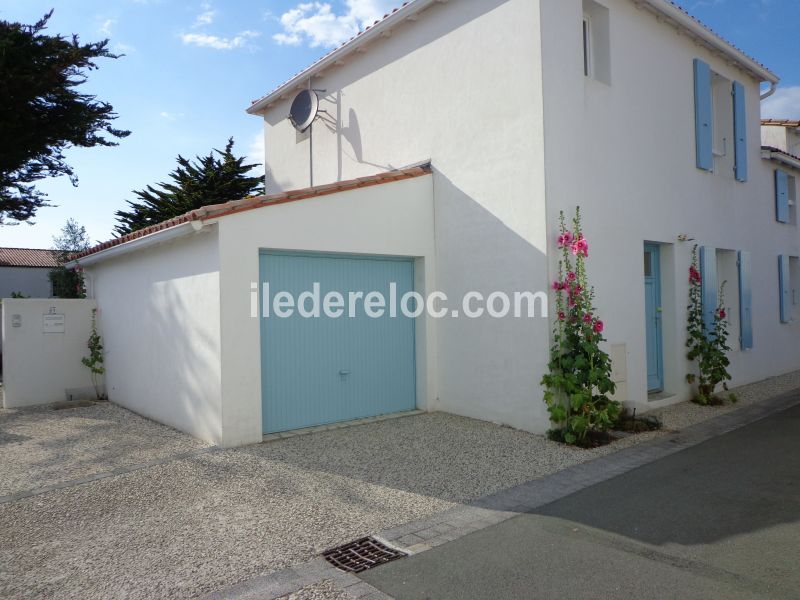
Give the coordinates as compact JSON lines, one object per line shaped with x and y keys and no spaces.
{"x":42,"y":113}
{"x":212,"y":179}
{"x":68,"y":283}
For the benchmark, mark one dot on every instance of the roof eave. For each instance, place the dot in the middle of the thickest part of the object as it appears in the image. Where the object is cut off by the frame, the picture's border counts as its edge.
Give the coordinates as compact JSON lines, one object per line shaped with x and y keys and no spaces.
{"x":365,"y":37}
{"x":156,"y":238}
{"x":692,"y":26}
{"x":781,"y":157}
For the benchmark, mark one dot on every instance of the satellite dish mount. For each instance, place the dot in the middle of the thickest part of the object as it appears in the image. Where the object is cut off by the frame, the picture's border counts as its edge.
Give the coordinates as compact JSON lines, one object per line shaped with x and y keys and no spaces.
{"x":305,"y":108}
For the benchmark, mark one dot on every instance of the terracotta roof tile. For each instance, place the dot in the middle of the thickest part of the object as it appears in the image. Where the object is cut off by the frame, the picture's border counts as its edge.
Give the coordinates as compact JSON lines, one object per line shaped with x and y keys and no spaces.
{"x":28,"y":257}
{"x":215,"y":211}
{"x":779,"y":151}
{"x":781,"y":122}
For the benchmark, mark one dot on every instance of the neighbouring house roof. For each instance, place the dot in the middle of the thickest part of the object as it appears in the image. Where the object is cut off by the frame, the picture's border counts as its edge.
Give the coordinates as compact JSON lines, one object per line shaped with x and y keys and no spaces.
{"x":781,"y":122}
{"x":215,"y":211}
{"x":772,"y":153}
{"x":408,"y":11}
{"x":28,"y":257}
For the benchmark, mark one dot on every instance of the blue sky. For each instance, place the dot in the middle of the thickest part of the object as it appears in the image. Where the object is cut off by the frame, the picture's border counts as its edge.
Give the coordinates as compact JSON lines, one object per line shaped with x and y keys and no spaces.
{"x":192,"y":67}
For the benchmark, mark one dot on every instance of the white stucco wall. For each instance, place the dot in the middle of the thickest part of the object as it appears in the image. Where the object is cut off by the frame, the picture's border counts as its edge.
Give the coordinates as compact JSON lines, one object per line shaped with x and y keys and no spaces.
{"x":159,"y":309}
{"x":625,"y":153}
{"x":393,"y":219}
{"x":31,"y":281}
{"x":39,"y":366}
{"x":775,"y":136}
{"x":460,"y":86}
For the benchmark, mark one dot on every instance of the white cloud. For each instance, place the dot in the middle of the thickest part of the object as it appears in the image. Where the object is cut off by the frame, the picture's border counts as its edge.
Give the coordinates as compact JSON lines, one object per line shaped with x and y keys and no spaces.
{"x":316,"y":24}
{"x":783,"y":104}
{"x":170,"y":116}
{"x":206,"y":17}
{"x":105,"y":27}
{"x":206,"y":40}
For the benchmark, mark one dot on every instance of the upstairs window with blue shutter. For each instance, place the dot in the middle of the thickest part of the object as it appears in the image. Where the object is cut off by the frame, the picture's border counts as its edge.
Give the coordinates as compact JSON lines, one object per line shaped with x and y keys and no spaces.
{"x":740,"y":131}
{"x":720,"y":123}
{"x":703,"y":128}
{"x":708,"y":285}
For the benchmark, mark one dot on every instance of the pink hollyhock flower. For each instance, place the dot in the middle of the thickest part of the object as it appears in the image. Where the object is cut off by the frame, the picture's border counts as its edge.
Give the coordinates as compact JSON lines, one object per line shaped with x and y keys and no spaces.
{"x":722,"y":313}
{"x":587,"y":318}
{"x":580,"y":246}
{"x":571,"y":276}
{"x":571,"y":302}
{"x":556,"y":285}
{"x":598,"y":326}
{"x":561,"y":316}
{"x":694,"y":275}
{"x":578,"y":289}
{"x":565,"y":239}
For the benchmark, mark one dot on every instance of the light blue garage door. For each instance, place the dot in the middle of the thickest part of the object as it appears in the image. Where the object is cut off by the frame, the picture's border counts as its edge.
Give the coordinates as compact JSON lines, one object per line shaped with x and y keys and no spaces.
{"x":317,"y":370}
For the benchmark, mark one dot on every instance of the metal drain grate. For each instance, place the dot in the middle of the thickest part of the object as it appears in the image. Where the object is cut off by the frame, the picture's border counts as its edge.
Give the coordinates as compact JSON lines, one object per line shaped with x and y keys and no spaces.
{"x":362,"y":554}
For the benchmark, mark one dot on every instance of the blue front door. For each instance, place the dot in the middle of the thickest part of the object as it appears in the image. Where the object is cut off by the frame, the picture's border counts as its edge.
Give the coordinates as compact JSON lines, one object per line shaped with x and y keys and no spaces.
{"x":652,"y":309}
{"x":317,"y":370}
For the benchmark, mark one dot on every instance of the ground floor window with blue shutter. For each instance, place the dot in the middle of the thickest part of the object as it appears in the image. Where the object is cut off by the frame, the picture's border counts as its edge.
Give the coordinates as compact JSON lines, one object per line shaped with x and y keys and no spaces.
{"x":744,"y":262}
{"x":789,"y":281}
{"x":708,"y":284}
{"x":784,"y":289}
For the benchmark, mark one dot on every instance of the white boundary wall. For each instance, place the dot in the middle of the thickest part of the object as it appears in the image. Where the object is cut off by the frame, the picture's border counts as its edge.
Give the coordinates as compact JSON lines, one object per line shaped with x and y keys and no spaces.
{"x":39,"y":365}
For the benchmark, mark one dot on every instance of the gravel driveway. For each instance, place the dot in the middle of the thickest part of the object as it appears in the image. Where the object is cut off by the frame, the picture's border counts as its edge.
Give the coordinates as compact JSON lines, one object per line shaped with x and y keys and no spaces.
{"x":204,"y":521}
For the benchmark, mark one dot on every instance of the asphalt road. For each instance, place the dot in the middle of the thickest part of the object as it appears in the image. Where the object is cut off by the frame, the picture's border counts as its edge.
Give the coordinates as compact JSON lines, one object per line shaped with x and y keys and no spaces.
{"x":719,"y":520}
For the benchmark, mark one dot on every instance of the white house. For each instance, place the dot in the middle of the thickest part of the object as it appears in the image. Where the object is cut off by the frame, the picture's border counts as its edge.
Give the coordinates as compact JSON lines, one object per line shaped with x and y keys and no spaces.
{"x":26,"y":271}
{"x":452,"y":135}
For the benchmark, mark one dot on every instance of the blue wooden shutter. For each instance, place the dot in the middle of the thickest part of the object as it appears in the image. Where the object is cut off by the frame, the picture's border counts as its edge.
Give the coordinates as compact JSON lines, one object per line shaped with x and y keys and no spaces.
{"x":740,"y":131}
{"x":782,"y":196}
{"x":702,"y":115}
{"x":708,"y":273}
{"x":745,"y":300}
{"x":785,"y":292}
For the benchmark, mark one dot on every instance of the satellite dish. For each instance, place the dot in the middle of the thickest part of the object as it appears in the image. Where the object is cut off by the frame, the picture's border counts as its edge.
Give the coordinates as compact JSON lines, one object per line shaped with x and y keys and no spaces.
{"x":305,"y":107}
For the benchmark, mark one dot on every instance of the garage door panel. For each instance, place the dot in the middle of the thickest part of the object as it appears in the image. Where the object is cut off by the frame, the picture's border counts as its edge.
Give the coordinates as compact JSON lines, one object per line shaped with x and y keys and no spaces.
{"x":323,"y":370}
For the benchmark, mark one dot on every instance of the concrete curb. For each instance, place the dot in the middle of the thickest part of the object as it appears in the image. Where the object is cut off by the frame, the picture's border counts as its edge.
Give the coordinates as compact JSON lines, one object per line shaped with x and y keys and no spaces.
{"x":424,"y":534}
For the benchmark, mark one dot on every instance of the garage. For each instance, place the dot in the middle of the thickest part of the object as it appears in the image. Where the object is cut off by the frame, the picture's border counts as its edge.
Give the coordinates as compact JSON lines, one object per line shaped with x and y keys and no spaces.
{"x":317,"y":368}
{"x":186,"y":343}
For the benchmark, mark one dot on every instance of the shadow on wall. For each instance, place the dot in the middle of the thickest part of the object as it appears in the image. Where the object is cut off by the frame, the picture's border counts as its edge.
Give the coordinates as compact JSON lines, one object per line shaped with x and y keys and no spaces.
{"x":489,"y":368}
{"x":352,"y":134}
{"x":166,"y":365}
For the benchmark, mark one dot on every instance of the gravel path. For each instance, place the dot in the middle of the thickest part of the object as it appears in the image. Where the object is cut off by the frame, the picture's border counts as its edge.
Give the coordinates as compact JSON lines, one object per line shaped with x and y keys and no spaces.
{"x":41,"y":446}
{"x":199,"y":524}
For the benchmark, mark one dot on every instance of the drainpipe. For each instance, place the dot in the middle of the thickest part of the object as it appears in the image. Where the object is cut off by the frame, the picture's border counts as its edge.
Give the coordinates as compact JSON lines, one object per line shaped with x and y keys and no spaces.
{"x":773,"y":85}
